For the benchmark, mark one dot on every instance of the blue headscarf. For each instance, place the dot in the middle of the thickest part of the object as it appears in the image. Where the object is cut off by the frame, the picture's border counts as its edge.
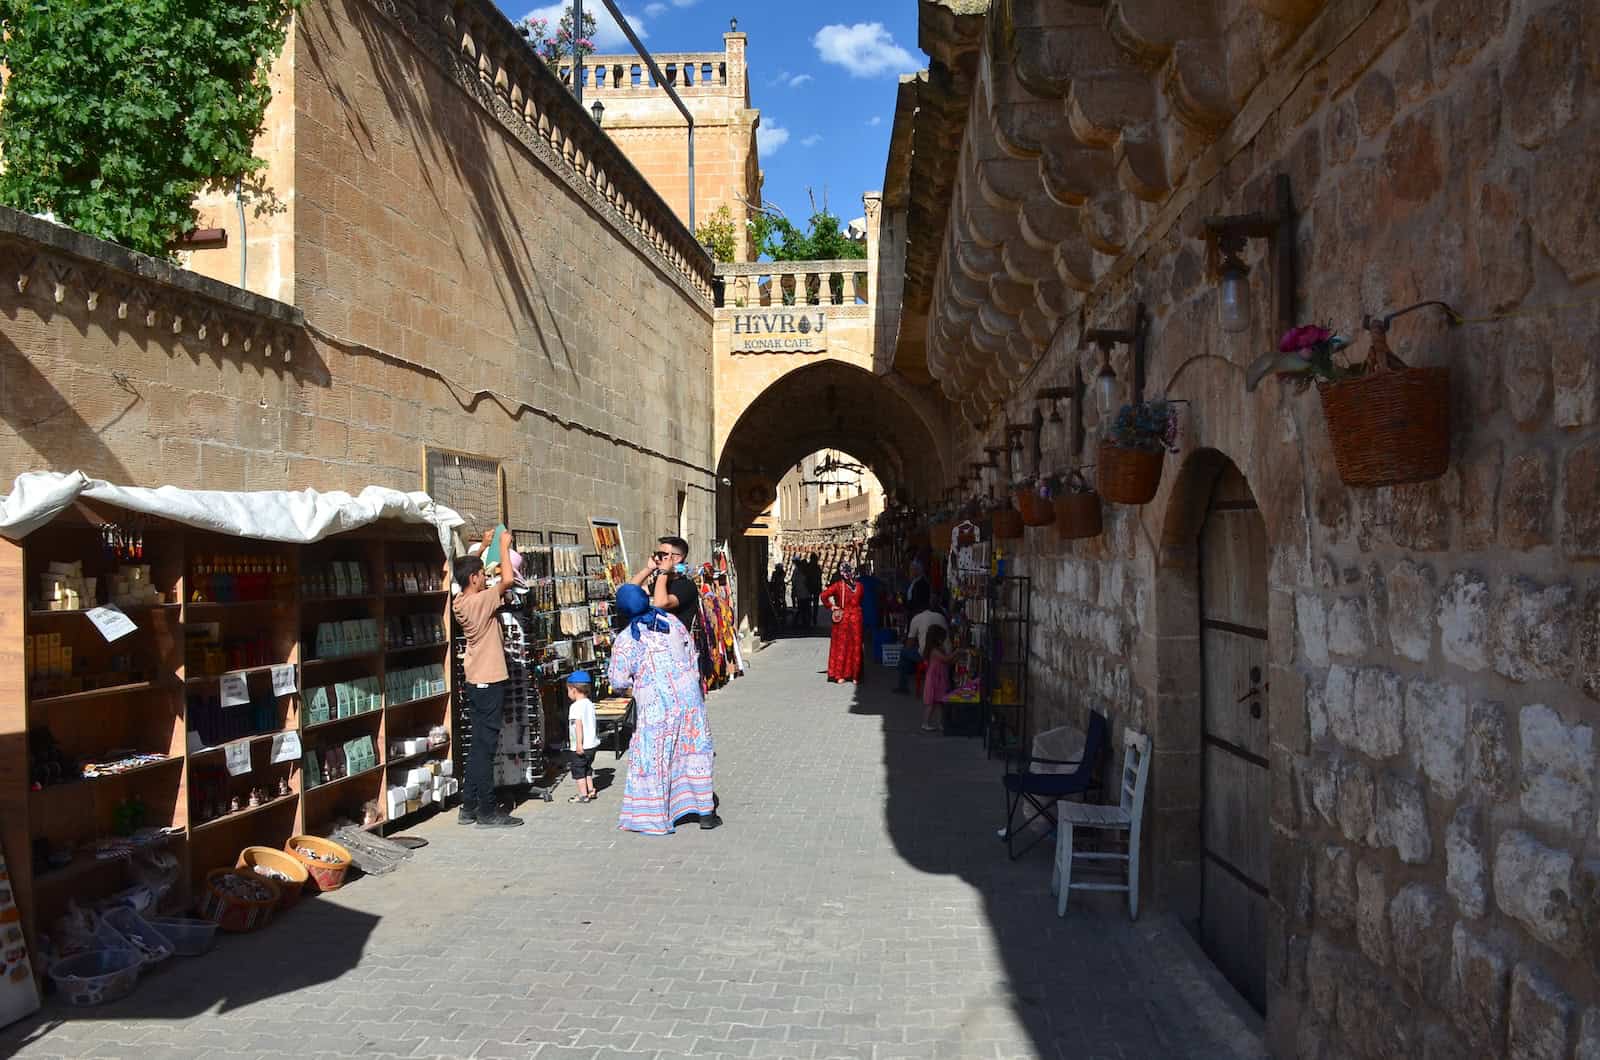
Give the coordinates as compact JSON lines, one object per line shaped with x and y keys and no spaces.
{"x":633,"y":603}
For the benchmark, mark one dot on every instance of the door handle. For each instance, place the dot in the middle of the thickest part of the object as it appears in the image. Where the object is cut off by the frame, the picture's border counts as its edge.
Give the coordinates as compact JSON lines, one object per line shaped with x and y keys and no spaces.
{"x":1254,"y":692}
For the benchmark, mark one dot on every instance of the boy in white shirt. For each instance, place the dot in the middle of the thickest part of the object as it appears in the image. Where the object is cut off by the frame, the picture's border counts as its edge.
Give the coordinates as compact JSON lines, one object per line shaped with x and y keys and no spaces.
{"x":582,"y":737}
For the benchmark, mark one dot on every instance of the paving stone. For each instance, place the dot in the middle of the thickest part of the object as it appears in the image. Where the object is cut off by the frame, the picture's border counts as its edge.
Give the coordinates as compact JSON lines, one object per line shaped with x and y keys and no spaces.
{"x":846,"y":909}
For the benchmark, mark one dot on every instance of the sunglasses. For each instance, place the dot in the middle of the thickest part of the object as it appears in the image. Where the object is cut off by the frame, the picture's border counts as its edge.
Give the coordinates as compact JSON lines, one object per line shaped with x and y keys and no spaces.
{"x":662,"y":555}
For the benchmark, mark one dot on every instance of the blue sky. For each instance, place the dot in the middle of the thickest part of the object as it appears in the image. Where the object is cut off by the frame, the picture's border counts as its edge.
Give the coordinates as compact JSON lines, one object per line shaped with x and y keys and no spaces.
{"x":822,"y":72}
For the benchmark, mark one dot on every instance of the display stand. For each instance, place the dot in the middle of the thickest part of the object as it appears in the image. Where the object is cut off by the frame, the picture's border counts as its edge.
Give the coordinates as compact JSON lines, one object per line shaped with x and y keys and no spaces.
{"x":1005,"y":681}
{"x":233,"y":637}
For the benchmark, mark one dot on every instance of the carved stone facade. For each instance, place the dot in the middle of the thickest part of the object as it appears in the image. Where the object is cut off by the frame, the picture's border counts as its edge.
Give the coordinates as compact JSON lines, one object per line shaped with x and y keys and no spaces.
{"x":1430,"y":824}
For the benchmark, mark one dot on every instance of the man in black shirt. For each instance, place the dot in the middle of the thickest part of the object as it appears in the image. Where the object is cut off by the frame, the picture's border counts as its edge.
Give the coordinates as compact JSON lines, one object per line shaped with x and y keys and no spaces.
{"x":667,"y":581}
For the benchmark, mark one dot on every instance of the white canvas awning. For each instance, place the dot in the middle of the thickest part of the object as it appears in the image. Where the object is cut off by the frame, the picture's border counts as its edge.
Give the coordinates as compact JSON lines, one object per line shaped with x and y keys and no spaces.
{"x":269,"y":515}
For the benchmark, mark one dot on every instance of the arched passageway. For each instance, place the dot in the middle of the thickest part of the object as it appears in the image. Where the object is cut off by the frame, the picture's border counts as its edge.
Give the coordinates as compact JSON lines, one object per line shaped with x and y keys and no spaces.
{"x":892,"y":427}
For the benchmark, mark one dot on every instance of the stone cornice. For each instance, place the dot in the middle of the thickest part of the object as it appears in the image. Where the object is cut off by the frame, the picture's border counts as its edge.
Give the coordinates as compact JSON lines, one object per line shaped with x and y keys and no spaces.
{"x":49,"y":263}
{"x":475,"y":46}
{"x":790,"y":268}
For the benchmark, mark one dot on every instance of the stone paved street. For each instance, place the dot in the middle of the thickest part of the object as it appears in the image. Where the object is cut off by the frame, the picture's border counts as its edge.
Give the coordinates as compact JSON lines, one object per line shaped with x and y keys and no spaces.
{"x":856,"y":904}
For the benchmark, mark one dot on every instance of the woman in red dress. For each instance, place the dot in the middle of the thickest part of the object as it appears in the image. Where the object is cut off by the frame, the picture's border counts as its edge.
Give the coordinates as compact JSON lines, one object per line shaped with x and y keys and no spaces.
{"x":844,"y":649}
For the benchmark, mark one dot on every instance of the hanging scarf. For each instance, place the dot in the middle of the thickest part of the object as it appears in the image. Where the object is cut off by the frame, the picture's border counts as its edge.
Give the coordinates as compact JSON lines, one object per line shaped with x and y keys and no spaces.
{"x":634,"y":605}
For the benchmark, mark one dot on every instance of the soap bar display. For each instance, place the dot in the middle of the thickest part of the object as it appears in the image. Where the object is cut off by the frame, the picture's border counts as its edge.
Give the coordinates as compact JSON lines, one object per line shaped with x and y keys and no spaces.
{"x":342,"y":700}
{"x":413,"y":631}
{"x":352,"y":636}
{"x":412,"y":578}
{"x":334,"y":579}
{"x":418,"y":682}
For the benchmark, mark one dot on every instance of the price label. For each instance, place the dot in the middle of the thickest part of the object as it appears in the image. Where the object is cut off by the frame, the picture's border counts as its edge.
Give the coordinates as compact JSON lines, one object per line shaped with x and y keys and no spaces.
{"x":283,"y":682}
{"x":286,"y":747}
{"x":235,"y":690}
{"x":112,"y":622}
{"x":238,"y":757}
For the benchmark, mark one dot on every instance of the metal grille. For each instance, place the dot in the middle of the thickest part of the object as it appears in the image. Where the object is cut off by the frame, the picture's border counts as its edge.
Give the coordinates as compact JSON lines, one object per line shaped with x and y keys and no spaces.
{"x":470,"y":485}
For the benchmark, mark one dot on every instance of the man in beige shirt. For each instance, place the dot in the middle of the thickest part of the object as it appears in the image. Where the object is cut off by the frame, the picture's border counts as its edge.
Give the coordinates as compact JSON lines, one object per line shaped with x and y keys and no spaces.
{"x":476,"y":608}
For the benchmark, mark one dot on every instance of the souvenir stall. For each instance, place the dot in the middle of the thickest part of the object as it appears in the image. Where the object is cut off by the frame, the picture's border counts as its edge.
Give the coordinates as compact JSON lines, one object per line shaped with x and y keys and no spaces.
{"x":200,"y":685}
{"x":991,"y":622}
{"x":719,"y":621}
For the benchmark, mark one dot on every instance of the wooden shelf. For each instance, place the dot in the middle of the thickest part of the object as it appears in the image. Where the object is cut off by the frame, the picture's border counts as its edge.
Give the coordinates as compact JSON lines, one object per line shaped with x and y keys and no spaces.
{"x":247,"y":812}
{"x":342,"y":780}
{"x":317,"y":725}
{"x":268,"y":668}
{"x":417,"y":647}
{"x":84,"y":782}
{"x":368,"y":655}
{"x":253,"y":738}
{"x":414,"y":702}
{"x":139,"y":609}
{"x":223,"y":605}
{"x":87,"y":865}
{"x":355,"y":598}
{"x":415,"y":755}
{"x":94,"y":693}
{"x":421,"y":594}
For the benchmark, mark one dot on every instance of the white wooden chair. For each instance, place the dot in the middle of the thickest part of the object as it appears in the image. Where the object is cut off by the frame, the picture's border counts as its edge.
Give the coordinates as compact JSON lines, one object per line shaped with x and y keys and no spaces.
{"x":1074,"y":817}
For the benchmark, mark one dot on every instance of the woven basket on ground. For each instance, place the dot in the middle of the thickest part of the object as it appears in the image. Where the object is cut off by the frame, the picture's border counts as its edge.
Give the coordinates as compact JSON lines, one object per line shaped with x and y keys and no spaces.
{"x":1036,"y":511}
{"x":1128,"y":476}
{"x":1390,"y":426}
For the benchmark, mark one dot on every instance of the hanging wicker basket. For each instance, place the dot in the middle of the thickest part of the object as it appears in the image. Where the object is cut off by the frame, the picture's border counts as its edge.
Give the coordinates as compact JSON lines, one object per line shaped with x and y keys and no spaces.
{"x":1036,"y":511}
{"x":1390,"y":426}
{"x":1078,"y":511}
{"x":939,"y":537}
{"x":1007,"y":523}
{"x":1128,"y":476}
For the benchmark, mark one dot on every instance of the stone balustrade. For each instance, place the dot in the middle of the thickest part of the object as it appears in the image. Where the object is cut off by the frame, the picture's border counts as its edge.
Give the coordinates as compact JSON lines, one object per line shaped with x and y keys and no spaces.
{"x":623,"y":75}
{"x":764,"y":283}
{"x":517,"y":87}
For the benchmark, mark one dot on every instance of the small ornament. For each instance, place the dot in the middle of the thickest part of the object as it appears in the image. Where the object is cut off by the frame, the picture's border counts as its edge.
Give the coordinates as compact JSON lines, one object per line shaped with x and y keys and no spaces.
{"x":283,"y":787}
{"x":255,"y":797}
{"x":233,"y":804}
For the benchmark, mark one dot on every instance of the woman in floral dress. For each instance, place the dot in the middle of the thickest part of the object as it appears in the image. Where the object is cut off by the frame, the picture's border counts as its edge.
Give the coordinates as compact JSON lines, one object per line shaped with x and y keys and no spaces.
{"x":844,"y":650}
{"x":669,"y":757}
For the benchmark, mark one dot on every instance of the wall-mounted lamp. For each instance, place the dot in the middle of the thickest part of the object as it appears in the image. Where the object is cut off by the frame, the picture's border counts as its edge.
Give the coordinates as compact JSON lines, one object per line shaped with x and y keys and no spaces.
{"x":598,"y":110}
{"x":1053,"y":396}
{"x":1226,"y":238}
{"x":1016,"y":432}
{"x":1106,"y":338}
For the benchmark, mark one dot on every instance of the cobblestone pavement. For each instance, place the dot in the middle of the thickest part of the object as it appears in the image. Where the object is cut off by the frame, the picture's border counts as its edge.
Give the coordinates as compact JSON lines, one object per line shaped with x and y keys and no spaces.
{"x":855,"y":904}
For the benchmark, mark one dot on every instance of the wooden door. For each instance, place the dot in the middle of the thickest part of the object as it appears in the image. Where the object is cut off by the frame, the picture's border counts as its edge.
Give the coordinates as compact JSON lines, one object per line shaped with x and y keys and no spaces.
{"x":1233,"y":642}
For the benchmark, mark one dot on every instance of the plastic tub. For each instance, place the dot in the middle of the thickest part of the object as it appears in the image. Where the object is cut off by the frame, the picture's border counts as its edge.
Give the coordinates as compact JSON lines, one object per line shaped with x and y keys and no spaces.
{"x":257,"y":858}
{"x":147,"y":940}
{"x":232,"y":912}
{"x":98,"y":976}
{"x":189,"y":937}
{"x":326,"y":875}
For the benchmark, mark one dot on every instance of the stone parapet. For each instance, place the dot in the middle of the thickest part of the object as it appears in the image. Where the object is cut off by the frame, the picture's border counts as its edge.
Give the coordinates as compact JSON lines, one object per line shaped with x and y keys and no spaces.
{"x":476,"y":45}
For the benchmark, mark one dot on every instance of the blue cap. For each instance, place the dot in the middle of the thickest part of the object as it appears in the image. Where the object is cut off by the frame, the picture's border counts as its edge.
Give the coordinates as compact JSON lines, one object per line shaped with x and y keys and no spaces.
{"x":579,"y":677}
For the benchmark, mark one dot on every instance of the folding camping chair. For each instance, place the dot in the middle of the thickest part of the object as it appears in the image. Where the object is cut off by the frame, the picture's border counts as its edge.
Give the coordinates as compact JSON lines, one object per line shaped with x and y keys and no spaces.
{"x":1123,"y":817}
{"x":1043,"y":790}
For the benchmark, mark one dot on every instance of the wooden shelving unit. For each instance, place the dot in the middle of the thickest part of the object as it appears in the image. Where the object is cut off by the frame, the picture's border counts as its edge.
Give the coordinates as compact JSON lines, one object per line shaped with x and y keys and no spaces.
{"x":171,"y":688}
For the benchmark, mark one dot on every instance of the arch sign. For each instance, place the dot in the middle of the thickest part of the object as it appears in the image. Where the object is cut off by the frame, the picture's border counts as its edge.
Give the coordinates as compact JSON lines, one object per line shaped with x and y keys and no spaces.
{"x":788,"y":329}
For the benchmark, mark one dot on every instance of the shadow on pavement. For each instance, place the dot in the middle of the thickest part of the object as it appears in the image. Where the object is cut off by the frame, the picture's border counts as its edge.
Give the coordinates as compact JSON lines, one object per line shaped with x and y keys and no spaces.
{"x":312,"y":944}
{"x":1152,"y":990}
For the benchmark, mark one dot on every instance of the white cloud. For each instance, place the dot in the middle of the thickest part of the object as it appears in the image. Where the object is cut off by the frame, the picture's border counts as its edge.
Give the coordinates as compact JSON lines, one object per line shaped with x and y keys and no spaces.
{"x":799,"y":79}
{"x":791,"y":80}
{"x":607,"y":34}
{"x":655,"y":10}
{"x":770,"y":137}
{"x":811,"y":141}
{"x":876,"y":119}
{"x":865,"y":49}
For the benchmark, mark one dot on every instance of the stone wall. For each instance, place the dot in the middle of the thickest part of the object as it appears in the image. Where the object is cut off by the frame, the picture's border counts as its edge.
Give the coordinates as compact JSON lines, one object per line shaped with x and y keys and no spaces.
{"x":1434,"y":650}
{"x":466,"y":282}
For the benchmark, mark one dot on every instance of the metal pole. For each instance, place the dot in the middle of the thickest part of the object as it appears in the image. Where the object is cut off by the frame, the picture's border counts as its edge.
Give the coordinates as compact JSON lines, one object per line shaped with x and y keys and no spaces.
{"x":655,"y":71}
{"x":577,"y":53}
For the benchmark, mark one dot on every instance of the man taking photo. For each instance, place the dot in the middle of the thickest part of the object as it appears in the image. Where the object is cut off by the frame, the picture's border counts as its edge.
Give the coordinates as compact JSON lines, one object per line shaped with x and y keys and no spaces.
{"x":666,"y":578}
{"x":484,"y":668}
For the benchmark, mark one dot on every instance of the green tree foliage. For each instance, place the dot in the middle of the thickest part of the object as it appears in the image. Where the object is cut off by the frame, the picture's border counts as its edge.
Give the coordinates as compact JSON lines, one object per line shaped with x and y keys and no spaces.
{"x":117,"y":114}
{"x":823,"y":239}
{"x":719,"y":233}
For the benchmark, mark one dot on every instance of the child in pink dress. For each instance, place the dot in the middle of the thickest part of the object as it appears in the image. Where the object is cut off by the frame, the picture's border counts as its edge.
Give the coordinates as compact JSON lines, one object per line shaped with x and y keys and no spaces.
{"x":936,"y":685}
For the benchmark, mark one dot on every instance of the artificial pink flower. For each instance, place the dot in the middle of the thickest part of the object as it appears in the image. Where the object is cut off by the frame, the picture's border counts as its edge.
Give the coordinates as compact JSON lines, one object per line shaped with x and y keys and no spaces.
{"x":1303,"y":338}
